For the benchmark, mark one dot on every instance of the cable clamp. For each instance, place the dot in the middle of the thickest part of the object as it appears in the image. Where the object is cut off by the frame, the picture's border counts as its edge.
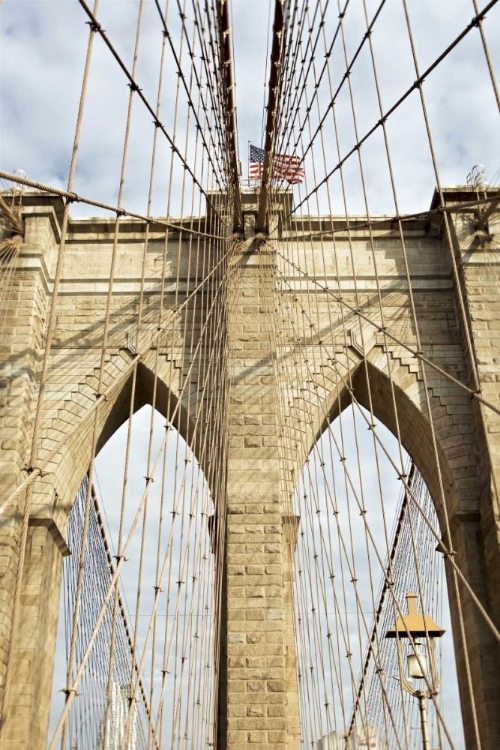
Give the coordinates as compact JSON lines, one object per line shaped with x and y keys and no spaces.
{"x":70,"y":691}
{"x":94,"y":26}
{"x":449,"y":553}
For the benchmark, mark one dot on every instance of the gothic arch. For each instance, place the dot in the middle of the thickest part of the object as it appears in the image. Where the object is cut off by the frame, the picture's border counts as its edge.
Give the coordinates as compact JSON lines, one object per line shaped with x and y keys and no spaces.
{"x":456,"y":440}
{"x":67,"y":469}
{"x":453,"y":428}
{"x":166,"y":402}
{"x":413,"y":424}
{"x":56,"y":491}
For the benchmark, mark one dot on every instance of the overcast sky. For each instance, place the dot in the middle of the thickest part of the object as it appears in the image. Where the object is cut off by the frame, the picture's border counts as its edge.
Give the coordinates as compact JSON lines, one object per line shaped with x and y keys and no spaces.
{"x":42,"y":53}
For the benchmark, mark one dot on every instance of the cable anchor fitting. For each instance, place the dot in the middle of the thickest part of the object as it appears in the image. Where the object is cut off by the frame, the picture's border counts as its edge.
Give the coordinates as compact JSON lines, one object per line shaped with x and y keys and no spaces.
{"x":94,"y":26}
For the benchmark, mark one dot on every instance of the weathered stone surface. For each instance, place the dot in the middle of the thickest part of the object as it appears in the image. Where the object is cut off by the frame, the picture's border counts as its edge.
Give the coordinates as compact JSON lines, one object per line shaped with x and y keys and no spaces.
{"x":258,"y":682}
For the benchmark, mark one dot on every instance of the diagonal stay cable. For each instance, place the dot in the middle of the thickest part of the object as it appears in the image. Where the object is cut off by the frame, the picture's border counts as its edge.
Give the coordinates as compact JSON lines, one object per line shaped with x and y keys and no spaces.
{"x":290,"y":126}
{"x":168,"y":36}
{"x":76,"y":198}
{"x":448,"y":553}
{"x":295,"y":108}
{"x":383,"y":329}
{"x":392,"y":218}
{"x":37,"y":471}
{"x":72,"y":691}
{"x":135,"y":87}
{"x":120,"y":601}
{"x":414,"y":87}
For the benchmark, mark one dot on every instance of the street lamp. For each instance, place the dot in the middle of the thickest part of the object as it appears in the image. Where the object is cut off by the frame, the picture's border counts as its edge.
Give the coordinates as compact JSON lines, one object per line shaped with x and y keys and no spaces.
{"x":420,"y":658}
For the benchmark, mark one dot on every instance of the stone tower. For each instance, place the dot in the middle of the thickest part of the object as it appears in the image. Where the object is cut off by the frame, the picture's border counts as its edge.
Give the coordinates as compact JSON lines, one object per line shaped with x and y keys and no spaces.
{"x":258,"y":697}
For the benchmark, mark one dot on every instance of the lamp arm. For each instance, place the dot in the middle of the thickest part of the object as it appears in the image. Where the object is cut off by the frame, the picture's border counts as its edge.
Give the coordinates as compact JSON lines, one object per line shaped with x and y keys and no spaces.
{"x":434,"y":670}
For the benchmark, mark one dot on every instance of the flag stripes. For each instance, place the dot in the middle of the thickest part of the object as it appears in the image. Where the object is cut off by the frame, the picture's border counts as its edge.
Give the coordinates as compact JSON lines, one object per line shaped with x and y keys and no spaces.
{"x":284,"y":166}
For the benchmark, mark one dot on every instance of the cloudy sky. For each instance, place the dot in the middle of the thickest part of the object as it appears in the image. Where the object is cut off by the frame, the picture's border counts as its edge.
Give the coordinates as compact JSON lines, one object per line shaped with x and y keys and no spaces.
{"x":42,"y":52}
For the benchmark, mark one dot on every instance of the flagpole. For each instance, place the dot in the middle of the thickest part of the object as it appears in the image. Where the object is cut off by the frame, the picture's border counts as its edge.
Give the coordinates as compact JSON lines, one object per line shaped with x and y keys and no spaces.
{"x":248,"y":163}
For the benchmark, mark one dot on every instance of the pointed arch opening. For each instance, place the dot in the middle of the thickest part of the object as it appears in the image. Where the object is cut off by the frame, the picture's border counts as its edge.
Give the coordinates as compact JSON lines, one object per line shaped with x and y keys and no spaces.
{"x":149,"y":680}
{"x":387,"y":398}
{"x":363,"y":545}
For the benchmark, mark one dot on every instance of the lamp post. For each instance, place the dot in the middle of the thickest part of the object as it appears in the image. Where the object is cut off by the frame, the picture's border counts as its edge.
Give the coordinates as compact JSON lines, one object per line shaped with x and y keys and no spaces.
{"x":421,"y":657}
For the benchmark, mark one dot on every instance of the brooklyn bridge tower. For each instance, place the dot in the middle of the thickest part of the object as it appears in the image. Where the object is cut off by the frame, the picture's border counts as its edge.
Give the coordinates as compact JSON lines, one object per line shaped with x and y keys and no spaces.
{"x":250,"y":416}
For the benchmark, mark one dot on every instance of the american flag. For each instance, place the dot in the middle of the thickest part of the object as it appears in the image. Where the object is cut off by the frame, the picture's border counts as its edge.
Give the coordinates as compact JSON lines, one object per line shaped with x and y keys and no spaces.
{"x":285,"y":167}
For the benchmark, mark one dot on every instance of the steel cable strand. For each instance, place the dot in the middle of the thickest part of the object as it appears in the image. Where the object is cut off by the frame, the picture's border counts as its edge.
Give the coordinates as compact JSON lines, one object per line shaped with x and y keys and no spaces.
{"x":334,"y":96}
{"x":52,"y":453}
{"x":42,"y":384}
{"x":414,"y":316}
{"x":73,"y":197}
{"x":491,"y":69}
{"x":343,"y":543}
{"x":115,"y":577}
{"x":207,"y":376}
{"x":135,"y":88}
{"x":94,"y":439}
{"x":217,"y":338}
{"x":403,"y":98}
{"x":211,"y":147}
{"x":375,"y":547}
{"x":447,"y":553}
{"x":309,"y":107}
{"x":395,"y":339}
{"x":133,"y":685}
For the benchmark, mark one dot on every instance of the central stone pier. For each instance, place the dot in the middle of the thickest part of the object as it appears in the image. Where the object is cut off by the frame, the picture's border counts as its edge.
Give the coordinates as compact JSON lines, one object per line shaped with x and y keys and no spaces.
{"x":258,"y":695}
